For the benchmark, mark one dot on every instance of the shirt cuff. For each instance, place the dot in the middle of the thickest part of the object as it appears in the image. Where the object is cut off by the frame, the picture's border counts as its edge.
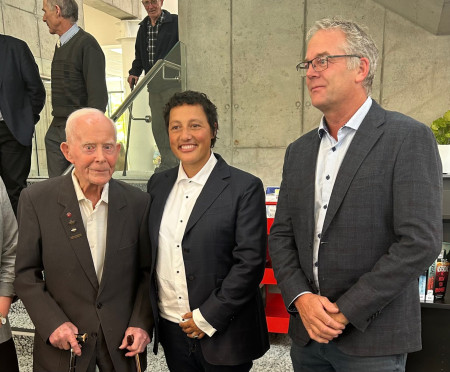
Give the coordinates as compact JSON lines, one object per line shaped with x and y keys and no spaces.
{"x":291,"y":307}
{"x":202,"y":323}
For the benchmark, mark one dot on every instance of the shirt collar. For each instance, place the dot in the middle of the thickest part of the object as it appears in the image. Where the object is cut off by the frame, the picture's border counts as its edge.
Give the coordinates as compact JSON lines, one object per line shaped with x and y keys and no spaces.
{"x":202,"y":176}
{"x":354,"y":122}
{"x":158,"y":21}
{"x":80,"y":194}
{"x":69,"y":34}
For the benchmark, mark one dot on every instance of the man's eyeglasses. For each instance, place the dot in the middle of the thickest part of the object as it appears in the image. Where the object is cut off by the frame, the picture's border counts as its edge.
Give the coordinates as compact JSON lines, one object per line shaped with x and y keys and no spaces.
{"x":148,"y":2}
{"x":319,"y":63}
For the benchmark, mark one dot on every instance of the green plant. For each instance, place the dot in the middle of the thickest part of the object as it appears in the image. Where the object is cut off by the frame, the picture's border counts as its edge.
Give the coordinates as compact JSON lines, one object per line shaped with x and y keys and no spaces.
{"x":441,"y":129}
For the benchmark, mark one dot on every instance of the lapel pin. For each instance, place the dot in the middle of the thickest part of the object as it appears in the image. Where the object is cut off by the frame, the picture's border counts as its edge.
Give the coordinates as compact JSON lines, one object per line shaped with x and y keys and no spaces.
{"x":75,"y":236}
{"x":69,"y":214}
{"x":73,"y":230}
{"x":71,"y":222}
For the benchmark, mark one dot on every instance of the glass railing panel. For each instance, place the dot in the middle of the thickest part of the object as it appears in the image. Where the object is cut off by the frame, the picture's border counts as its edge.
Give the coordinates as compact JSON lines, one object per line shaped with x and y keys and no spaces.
{"x":136,"y":116}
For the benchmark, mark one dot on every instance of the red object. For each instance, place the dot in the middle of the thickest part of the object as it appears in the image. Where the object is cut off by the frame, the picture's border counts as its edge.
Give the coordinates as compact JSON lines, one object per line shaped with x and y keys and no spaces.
{"x":277,"y":316}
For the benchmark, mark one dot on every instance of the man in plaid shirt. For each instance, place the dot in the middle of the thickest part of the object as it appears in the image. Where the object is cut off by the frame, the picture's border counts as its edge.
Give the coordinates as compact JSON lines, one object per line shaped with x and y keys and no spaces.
{"x":158,"y":33}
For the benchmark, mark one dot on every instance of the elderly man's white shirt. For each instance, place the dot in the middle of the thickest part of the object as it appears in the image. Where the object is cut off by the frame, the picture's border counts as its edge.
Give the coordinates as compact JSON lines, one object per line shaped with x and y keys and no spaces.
{"x":95,"y":221}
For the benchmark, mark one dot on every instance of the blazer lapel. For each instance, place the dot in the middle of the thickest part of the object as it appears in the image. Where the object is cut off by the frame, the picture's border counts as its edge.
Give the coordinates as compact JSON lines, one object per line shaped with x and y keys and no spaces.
{"x":114,"y":229}
{"x":163,"y":186}
{"x":212,"y":189}
{"x":305,"y":178}
{"x":365,"y":138}
{"x":72,"y":224}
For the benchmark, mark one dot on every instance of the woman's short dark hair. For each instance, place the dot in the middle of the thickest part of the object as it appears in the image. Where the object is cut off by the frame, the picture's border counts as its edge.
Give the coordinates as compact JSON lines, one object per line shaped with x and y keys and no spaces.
{"x":192,"y":98}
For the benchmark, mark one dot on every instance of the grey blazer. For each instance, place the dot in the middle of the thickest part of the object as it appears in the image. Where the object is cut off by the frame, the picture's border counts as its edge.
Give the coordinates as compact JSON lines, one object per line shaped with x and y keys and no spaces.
{"x":383,"y":228}
{"x":52,"y":241}
{"x":8,"y":243}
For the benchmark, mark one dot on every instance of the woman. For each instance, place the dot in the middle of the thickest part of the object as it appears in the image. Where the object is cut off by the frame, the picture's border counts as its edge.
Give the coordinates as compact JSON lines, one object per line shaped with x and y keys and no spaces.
{"x":8,"y":242}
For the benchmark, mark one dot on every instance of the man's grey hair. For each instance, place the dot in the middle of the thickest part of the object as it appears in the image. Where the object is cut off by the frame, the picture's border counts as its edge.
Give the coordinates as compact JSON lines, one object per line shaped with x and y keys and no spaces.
{"x":69,"y":8}
{"x":358,"y":42}
{"x":85,"y":114}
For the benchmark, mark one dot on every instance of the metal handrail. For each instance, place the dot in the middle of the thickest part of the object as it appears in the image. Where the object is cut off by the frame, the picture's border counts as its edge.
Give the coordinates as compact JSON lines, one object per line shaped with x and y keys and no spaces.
{"x":160,"y":64}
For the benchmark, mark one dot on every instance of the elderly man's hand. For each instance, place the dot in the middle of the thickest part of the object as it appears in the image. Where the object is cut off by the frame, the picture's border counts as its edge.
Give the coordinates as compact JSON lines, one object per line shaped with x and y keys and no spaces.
{"x":64,"y":337}
{"x":140,"y":341}
{"x":190,"y":328}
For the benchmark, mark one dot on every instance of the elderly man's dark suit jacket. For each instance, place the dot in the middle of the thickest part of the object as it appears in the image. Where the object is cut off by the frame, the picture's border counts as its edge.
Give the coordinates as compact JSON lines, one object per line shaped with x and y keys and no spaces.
{"x":22,"y":94}
{"x":382,"y":229}
{"x":224,"y":256}
{"x":53,"y":241}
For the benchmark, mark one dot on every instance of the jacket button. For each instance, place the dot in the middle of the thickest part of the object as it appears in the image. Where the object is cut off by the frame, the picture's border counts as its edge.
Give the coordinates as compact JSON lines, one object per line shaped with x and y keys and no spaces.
{"x":191,"y":277}
{"x":99,"y":305}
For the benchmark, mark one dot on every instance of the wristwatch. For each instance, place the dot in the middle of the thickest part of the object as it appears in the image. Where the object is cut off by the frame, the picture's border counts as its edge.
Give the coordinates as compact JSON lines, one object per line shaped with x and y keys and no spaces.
{"x":2,"y":319}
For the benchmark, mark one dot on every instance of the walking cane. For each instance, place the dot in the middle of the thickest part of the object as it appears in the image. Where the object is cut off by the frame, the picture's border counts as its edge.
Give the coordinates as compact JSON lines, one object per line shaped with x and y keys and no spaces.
{"x":130,"y":340}
{"x":81,"y":339}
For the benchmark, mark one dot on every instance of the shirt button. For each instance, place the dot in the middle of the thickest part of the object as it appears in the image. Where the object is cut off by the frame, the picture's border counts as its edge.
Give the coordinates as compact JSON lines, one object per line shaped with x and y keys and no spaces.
{"x":325,"y":206}
{"x":181,"y":221}
{"x":319,"y":235}
{"x":316,"y":264}
{"x":327,"y":177}
{"x":333,"y":148}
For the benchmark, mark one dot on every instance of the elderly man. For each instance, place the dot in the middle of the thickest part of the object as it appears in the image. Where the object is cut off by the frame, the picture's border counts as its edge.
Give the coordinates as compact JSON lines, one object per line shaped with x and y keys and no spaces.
{"x":78,"y":76}
{"x":208,"y":236}
{"x":358,"y":217}
{"x":158,"y":33}
{"x":83,"y":256}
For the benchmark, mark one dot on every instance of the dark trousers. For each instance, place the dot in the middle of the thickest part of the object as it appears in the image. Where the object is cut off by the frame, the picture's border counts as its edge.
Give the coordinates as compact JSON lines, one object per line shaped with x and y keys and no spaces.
{"x":56,"y":134}
{"x":316,"y":357}
{"x":15,"y":163}
{"x":8,"y":357}
{"x":101,"y":357}
{"x":184,"y":354}
{"x":157,"y":101}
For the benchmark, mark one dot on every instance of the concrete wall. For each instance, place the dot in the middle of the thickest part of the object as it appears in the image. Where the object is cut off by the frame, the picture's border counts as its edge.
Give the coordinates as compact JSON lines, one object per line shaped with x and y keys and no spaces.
{"x":243,"y":55}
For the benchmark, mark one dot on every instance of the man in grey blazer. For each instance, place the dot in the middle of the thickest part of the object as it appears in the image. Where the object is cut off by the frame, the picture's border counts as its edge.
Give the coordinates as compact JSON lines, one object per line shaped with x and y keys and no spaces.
{"x":358,"y":216}
{"x":208,"y":235}
{"x":83,"y":257}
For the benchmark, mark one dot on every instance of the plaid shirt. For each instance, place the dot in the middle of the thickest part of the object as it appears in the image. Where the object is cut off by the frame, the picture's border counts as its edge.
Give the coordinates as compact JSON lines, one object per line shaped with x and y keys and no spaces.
{"x":152,"y":36}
